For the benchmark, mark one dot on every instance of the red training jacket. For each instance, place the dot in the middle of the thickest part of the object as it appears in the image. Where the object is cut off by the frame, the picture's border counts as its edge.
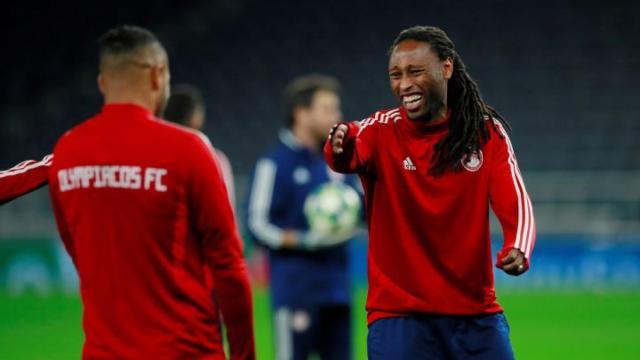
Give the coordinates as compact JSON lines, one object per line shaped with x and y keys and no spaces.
{"x":429,"y":239}
{"x":23,"y":178}
{"x":142,"y":209}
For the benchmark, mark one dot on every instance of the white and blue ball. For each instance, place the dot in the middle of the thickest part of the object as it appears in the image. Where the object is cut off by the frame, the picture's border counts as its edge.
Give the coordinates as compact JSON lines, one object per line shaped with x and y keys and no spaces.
{"x":333,"y":209}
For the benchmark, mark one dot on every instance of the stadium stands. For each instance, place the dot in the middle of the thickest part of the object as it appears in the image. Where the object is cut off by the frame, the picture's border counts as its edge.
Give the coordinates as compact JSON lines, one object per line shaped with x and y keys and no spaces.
{"x":563,"y":76}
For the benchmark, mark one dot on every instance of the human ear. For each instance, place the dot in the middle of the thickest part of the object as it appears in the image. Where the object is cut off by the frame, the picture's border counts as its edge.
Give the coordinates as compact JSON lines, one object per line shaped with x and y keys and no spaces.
{"x":447,"y":68}
{"x":101,"y":84}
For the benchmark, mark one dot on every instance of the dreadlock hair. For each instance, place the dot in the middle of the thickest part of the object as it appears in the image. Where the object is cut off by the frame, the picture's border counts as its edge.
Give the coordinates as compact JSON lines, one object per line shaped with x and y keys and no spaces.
{"x":467,"y":129}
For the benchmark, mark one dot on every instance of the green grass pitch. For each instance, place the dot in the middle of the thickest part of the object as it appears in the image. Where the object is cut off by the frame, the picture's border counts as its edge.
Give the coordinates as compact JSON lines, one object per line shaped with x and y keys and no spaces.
{"x":544,"y":325}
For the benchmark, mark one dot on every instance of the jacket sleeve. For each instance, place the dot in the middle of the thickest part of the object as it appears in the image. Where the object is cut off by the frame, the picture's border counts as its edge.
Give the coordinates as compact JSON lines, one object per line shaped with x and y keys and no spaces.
{"x":261,"y":204}
{"x":23,"y":178}
{"x":358,"y":148}
{"x":215,"y":226}
{"x":509,"y":198}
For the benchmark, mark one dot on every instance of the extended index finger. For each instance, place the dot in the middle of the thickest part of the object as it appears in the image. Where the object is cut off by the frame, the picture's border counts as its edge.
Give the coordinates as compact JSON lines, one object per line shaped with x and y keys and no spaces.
{"x":338,"y":138}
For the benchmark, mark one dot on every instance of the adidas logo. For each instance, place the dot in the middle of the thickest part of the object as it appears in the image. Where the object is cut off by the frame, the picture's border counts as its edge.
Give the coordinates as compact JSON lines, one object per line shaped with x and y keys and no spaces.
{"x":408,"y":164}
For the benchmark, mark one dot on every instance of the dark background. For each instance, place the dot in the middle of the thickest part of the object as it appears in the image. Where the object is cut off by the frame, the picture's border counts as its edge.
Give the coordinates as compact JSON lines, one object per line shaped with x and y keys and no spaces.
{"x":564,"y":73}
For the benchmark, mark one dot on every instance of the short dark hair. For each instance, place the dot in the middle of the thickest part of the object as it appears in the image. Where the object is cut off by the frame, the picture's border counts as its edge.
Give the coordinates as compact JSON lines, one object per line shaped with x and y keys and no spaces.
{"x":300,"y":91}
{"x":183,"y":102}
{"x":124,"y":40}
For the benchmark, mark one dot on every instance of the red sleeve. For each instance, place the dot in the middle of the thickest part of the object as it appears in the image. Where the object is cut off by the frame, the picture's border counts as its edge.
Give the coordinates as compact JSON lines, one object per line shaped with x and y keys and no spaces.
{"x":509,"y":198}
{"x":216,"y":227}
{"x":358,"y":149}
{"x":23,"y":178}
{"x":61,"y":223}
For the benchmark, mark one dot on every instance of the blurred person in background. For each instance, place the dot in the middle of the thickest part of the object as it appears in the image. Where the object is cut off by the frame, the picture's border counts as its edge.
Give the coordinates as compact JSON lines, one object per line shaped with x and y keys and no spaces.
{"x":24,"y":178}
{"x":431,"y":168}
{"x":186,"y":107}
{"x":142,"y":209}
{"x":309,"y":284}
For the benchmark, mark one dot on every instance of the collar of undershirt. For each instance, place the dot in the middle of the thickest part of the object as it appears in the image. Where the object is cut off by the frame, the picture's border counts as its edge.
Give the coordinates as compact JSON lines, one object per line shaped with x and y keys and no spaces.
{"x":286,"y":137}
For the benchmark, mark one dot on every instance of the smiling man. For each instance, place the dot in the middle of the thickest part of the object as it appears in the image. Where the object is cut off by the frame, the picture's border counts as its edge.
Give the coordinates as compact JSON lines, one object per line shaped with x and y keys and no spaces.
{"x":431,"y":169}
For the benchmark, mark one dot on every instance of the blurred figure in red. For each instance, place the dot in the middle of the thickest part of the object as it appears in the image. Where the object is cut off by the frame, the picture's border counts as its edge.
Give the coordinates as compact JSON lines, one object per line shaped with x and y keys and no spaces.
{"x":186,"y":107}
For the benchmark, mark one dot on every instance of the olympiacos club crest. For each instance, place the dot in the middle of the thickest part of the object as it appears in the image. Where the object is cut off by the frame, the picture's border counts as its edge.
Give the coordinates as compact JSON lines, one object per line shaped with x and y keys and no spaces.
{"x":473,"y":161}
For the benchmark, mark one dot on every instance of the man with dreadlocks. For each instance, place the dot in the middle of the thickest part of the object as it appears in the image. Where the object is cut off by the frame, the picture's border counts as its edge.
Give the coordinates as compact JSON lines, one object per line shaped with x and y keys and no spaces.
{"x":430,"y":169}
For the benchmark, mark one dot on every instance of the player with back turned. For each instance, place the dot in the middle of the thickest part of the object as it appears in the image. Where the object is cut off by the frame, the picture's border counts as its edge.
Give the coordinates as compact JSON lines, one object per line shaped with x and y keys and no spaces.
{"x":142,"y":209}
{"x":431,"y":169}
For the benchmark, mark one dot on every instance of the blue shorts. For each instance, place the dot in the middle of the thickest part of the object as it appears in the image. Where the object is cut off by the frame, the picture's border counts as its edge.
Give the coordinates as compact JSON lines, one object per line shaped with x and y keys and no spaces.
{"x":440,"y":337}
{"x":322,"y":330}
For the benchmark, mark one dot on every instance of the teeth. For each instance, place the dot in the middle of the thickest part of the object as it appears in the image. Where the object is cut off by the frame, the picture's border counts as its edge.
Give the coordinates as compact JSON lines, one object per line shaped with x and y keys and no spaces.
{"x":412,"y":98}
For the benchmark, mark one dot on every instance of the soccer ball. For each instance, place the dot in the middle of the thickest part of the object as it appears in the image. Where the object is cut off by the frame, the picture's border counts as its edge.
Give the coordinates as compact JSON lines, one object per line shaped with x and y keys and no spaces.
{"x":333,"y":210}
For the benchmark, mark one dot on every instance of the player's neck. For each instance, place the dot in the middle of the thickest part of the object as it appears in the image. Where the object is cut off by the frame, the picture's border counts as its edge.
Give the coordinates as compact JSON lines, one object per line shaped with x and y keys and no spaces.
{"x":124,"y":98}
{"x":436,"y":118}
{"x":305,"y":138}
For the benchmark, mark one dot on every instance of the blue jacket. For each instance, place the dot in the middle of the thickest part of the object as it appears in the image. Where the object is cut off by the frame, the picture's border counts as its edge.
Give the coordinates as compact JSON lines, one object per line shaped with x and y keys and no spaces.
{"x":279,"y":185}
